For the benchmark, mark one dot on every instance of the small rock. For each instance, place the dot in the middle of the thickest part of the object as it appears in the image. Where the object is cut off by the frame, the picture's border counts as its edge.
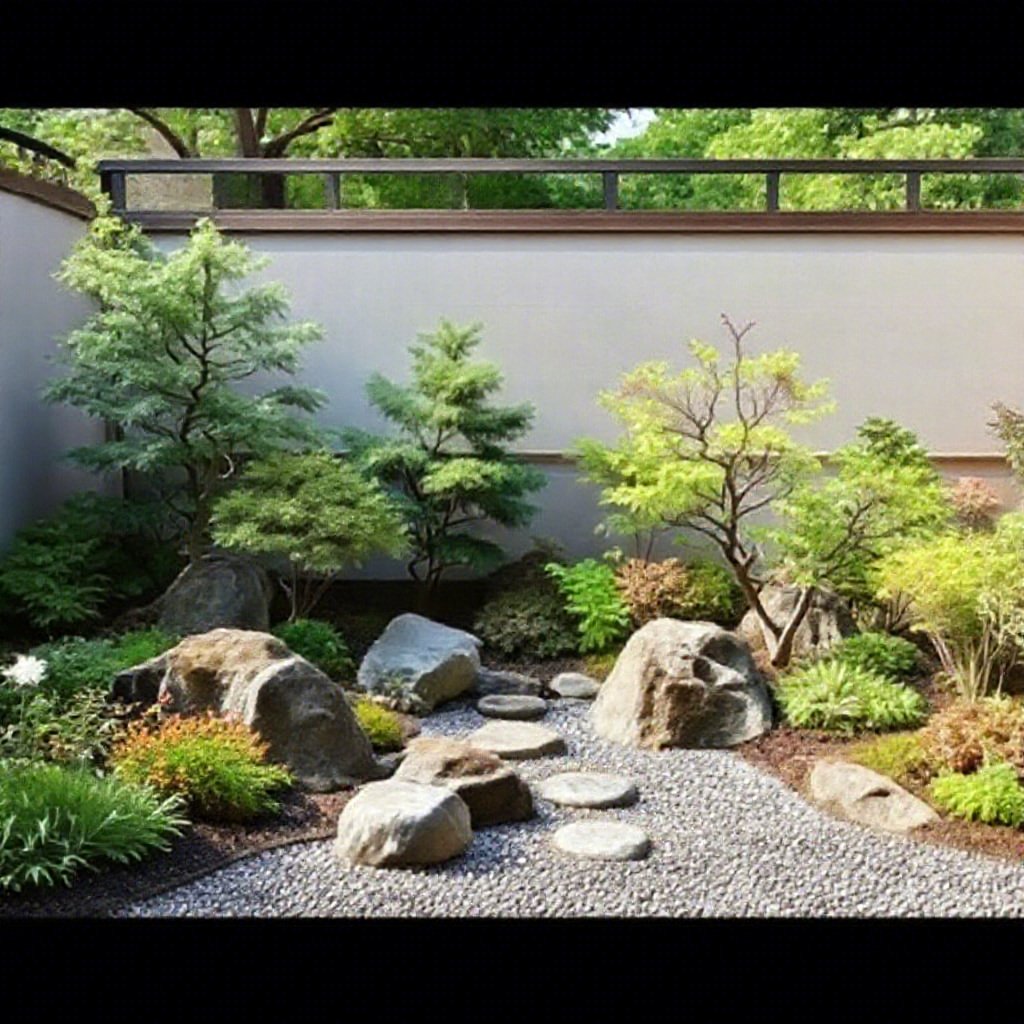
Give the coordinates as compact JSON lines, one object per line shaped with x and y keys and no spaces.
{"x":588,"y":789}
{"x":493,"y":792}
{"x":490,"y":681}
{"x":395,"y":823}
{"x":602,"y":840}
{"x":517,"y":741}
{"x":514,"y":706}
{"x":864,"y":796}
{"x":575,"y":684}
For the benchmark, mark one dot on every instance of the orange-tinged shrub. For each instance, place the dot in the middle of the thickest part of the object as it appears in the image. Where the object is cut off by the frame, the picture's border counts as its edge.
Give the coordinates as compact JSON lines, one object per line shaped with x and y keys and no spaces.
{"x":963,"y":735}
{"x":217,"y":765}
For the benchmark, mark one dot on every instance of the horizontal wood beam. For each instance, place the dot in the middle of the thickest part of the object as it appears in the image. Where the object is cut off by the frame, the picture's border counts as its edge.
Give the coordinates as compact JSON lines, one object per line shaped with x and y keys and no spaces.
{"x":585,"y":221}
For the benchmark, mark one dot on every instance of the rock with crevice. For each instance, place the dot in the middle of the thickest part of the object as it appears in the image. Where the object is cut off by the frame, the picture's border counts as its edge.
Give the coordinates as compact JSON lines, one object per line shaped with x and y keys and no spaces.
{"x":866,"y":797}
{"x":399,"y":823}
{"x":682,"y":684}
{"x":493,"y":792}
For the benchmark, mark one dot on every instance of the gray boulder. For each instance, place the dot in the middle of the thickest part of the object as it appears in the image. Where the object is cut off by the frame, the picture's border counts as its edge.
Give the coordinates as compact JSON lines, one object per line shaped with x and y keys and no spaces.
{"x":420,"y":663}
{"x":575,"y":685}
{"x":397,"y":823}
{"x":492,"y":791}
{"x":682,"y":684}
{"x":494,"y":683}
{"x":866,"y":797}
{"x":218,"y":591}
{"x":301,"y":713}
{"x":827,"y":621}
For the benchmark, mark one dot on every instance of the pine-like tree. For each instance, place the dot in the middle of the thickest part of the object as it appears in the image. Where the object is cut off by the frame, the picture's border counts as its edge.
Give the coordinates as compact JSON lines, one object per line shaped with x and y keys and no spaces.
{"x":160,"y":359}
{"x":448,"y":460}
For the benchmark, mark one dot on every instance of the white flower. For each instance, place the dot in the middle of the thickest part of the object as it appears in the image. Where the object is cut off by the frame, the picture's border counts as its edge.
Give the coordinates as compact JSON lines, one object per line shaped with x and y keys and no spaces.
{"x":26,"y":671}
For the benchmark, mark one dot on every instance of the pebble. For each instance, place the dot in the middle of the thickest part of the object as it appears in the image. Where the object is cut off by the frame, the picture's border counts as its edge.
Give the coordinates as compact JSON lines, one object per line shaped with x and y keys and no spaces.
{"x":728,"y":840}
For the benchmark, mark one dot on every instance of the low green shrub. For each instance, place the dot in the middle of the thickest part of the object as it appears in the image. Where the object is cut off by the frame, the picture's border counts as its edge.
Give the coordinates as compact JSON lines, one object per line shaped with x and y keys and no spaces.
{"x":902,"y":756}
{"x":528,"y":623}
{"x":63,"y":571}
{"x":320,"y":643}
{"x":891,"y":657}
{"x":593,"y":599}
{"x":382,"y":727}
{"x":992,"y":794}
{"x":840,"y":698}
{"x":54,"y":821}
{"x":217,"y":766}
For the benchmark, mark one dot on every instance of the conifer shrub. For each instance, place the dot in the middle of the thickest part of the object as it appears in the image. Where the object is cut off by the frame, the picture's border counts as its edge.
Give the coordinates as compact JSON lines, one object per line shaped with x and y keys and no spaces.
{"x":217,"y":766}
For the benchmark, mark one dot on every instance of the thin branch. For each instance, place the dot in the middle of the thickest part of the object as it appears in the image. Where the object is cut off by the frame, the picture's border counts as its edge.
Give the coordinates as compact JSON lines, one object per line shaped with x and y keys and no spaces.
{"x":173,"y":139}
{"x":313,"y":123}
{"x":36,"y":146}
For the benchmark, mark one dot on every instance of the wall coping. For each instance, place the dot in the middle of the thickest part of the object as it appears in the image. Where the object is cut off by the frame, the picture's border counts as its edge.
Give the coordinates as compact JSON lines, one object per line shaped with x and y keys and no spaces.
{"x":57,"y":197}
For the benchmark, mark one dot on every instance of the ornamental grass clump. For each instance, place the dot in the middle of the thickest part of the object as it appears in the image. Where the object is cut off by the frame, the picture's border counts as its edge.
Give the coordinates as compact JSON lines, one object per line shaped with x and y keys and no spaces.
{"x":993,"y":794}
{"x":217,"y":766}
{"x":55,"y":821}
{"x":842,"y":698}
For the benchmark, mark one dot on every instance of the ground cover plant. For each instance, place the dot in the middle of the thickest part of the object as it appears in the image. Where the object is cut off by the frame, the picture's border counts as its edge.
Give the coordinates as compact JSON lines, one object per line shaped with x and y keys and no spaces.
{"x":885,"y":655}
{"x":215,"y":765}
{"x":163,"y":355}
{"x":902,"y":756}
{"x":320,"y":643}
{"x":447,"y":460}
{"x":55,"y":821}
{"x":318,"y":511}
{"x":381,"y":725}
{"x":708,"y":447}
{"x":844,"y":698}
{"x":993,"y":794}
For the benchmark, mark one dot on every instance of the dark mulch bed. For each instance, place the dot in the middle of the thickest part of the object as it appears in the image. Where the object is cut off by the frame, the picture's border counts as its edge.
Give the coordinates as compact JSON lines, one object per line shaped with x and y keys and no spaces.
{"x":201,"y":849}
{"x":789,"y":753}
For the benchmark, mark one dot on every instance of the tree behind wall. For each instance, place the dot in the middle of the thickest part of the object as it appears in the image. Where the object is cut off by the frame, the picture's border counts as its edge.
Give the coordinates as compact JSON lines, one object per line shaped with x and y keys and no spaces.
{"x":161,"y":358}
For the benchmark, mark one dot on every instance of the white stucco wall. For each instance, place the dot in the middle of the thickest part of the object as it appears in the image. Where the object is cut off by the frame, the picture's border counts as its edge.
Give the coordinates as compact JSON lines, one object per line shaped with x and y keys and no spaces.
{"x":34,"y":312}
{"x":926,"y":328}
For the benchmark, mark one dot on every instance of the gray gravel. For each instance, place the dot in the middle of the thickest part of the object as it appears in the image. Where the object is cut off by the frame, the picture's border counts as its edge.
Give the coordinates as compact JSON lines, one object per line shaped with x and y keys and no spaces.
{"x":728,"y":840}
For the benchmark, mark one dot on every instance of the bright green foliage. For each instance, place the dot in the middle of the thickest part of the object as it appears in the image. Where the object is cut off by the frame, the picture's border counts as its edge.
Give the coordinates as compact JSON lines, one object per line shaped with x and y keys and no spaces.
{"x":1008,"y":426}
{"x":902,"y":756}
{"x":891,"y":657}
{"x":217,"y":766}
{"x":967,"y":595}
{"x":992,"y":794}
{"x":173,"y":335}
{"x":382,"y":727}
{"x":885,"y":493}
{"x":593,"y":598}
{"x":841,"y":698}
{"x":78,"y":730}
{"x":525,"y":616}
{"x":320,"y":512}
{"x":447,"y":459}
{"x":320,"y":643}
{"x":55,"y":821}
{"x":64,"y":571}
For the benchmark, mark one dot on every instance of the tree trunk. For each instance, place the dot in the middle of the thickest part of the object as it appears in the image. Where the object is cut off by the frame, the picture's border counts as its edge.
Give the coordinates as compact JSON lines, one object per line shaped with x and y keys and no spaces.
{"x":780,"y":657}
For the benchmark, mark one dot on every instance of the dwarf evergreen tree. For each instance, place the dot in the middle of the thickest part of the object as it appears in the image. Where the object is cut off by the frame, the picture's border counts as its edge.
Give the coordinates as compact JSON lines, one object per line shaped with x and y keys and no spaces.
{"x":447,"y":459}
{"x":173,"y":336}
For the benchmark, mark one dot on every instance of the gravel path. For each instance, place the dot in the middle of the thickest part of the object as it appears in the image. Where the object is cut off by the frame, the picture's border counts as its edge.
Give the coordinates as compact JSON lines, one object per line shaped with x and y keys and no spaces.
{"x":728,"y":840}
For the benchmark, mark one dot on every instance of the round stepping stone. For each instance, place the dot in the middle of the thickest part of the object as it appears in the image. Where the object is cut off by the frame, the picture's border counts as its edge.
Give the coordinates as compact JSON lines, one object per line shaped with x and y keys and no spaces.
{"x":588,"y":789}
{"x":602,"y":840}
{"x":515,"y":706}
{"x":517,"y":741}
{"x":575,"y":684}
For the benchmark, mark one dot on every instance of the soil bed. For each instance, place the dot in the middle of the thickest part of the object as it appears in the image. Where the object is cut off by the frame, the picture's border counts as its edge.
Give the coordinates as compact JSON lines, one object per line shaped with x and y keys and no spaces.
{"x":202,"y":848}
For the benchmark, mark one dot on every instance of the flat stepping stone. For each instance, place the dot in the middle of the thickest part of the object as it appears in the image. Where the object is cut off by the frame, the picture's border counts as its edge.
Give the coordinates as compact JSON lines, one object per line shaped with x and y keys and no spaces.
{"x":514,"y":706}
{"x":517,"y":741}
{"x":602,"y":840}
{"x":575,"y":684}
{"x":588,"y":789}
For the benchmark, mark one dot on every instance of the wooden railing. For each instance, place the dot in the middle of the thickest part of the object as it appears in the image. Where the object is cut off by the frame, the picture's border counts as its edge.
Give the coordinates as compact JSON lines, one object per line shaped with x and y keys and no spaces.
{"x":113,"y":173}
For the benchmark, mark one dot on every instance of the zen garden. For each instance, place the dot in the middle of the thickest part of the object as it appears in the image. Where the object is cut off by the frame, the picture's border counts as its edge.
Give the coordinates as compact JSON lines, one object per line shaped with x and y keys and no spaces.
{"x":302,"y":642}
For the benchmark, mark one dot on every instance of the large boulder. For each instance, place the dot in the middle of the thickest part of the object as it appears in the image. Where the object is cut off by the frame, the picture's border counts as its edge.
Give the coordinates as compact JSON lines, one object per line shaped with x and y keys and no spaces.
{"x":866,"y":797}
{"x":492,"y":791}
{"x":218,"y":591}
{"x":420,"y":663}
{"x":827,"y":621}
{"x":301,"y":714}
{"x":682,"y":684}
{"x":397,"y":823}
